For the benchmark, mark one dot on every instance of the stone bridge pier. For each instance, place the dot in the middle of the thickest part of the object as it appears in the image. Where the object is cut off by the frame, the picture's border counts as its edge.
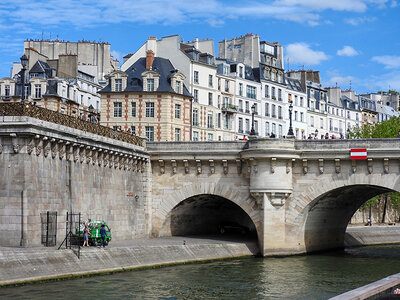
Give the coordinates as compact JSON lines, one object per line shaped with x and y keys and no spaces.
{"x":298,"y":196}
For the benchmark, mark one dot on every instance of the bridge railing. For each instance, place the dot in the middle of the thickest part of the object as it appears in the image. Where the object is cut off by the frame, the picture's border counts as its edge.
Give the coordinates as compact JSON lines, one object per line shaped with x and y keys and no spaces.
{"x":29,"y":110}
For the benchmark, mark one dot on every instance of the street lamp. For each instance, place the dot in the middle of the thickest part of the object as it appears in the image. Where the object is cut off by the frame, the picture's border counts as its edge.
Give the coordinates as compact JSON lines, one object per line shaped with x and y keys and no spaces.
{"x":253,"y":111}
{"x":316,"y":133}
{"x":24,"y":63}
{"x":290,"y":133}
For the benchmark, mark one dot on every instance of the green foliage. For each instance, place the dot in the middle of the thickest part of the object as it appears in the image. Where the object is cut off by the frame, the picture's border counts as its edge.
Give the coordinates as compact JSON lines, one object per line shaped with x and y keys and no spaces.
{"x":370,"y":203}
{"x":386,"y":129}
{"x":395,"y":199}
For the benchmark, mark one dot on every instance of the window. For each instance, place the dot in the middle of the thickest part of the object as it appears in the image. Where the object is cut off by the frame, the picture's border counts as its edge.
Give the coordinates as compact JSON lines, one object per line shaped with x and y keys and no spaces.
{"x":117,"y":109}
{"x":149,"y":109}
{"x":273,"y":128}
{"x":150,"y":85}
{"x":150,"y":133}
{"x":356,"y":116}
{"x":133,"y":109}
{"x":177,"y":134}
{"x":210,"y":121}
{"x":38,"y":91}
{"x":247,"y":125}
{"x":295,"y":115}
{"x":81,"y":99}
{"x":7,"y":90}
{"x":296,"y":100}
{"x":226,"y":86}
{"x":195,"y":136}
{"x":241,"y":105}
{"x":241,"y":71}
{"x":301,"y":101}
{"x":301,"y":117}
{"x":321,"y":123}
{"x":273,"y":111}
{"x":311,"y":121}
{"x":279,"y":94}
{"x":210,"y":99}
{"x":247,"y":107}
{"x":256,"y":126}
{"x":133,"y":130}
{"x":279,"y":77}
{"x":177,"y":111}
{"x":240,"y":89}
{"x":266,"y":91}
{"x":210,"y":137}
{"x":178,"y":87}
{"x":267,"y":109}
{"x":273,"y":93}
{"x":240,"y":129}
{"x":280,"y":112}
{"x":266,"y":128}
{"x":118,"y":85}
{"x":196,"y":95}
{"x":348,"y":114}
{"x":251,"y":92}
{"x":195,"y":117}
{"x":196,"y":77}
{"x":210,"y":80}
{"x":280,"y":130}
{"x":255,"y":109}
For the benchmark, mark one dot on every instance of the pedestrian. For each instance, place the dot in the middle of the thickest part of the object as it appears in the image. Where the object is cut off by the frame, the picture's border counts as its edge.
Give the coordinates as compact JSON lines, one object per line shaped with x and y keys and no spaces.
{"x":103,"y":235}
{"x":86,"y":236}
{"x":272,"y":136}
{"x":398,"y":134}
{"x":327,"y":136}
{"x":369,"y":222}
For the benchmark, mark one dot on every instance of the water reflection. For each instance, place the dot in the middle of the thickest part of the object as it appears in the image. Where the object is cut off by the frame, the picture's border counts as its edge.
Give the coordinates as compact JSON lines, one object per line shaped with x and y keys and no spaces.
{"x":300,"y":277}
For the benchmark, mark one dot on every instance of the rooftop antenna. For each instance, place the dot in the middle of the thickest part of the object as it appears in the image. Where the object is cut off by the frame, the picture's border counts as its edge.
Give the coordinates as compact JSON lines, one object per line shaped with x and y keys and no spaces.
{"x":336,"y":84}
{"x":288,"y":65}
{"x":42,"y":35}
{"x":350,"y":85}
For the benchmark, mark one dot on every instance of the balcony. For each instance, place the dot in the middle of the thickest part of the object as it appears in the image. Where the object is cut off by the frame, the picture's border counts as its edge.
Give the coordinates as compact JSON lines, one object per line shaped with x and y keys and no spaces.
{"x":273,"y":115}
{"x":241,"y":110}
{"x":247,"y":111}
{"x":229,"y":108}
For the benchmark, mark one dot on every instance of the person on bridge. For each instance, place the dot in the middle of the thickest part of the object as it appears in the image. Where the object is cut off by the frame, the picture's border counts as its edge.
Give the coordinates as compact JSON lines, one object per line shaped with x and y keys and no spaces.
{"x":86,"y":236}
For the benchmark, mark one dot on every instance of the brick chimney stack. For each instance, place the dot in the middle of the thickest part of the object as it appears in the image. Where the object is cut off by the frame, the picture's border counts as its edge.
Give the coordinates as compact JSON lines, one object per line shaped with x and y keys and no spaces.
{"x":149,"y":59}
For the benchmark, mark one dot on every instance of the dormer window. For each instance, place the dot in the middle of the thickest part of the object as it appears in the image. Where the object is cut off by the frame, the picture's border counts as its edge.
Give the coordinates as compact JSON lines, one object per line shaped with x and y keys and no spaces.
{"x":241,"y":72}
{"x":118,"y":85}
{"x":178,"y":87}
{"x":150,"y":85}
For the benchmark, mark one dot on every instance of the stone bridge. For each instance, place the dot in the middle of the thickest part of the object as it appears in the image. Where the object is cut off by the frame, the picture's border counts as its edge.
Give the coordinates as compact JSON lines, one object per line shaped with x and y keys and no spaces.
{"x":295,"y":196}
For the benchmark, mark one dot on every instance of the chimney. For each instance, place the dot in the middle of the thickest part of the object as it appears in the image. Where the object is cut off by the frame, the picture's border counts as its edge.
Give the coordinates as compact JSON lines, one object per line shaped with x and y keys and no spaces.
{"x":149,"y":59}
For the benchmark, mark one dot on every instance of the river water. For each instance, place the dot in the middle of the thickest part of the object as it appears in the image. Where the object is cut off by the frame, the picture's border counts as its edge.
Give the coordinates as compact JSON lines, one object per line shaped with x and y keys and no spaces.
{"x":308,"y":277}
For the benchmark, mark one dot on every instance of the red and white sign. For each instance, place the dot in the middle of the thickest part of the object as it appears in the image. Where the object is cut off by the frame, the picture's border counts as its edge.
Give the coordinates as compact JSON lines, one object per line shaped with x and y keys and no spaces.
{"x":358,"y":153}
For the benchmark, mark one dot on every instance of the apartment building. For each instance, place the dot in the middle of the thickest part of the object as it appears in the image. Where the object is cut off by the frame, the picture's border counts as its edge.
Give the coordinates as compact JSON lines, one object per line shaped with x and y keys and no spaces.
{"x":149,"y":99}
{"x":196,"y":60}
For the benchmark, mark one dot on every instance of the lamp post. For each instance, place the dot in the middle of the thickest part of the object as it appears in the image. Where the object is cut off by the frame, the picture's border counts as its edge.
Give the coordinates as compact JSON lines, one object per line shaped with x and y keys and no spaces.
{"x":24,"y":63}
{"x":253,"y":111}
{"x":316,"y":133}
{"x":290,"y":133}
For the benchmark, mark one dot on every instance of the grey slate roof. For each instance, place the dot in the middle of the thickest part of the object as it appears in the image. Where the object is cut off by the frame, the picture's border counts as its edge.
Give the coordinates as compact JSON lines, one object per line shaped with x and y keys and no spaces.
{"x":294,"y":85}
{"x":42,"y":67}
{"x":160,"y":65}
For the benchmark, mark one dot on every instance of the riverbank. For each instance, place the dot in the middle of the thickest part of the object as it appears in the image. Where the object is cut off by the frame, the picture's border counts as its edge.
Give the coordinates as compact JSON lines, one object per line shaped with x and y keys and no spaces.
{"x":21,"y":265}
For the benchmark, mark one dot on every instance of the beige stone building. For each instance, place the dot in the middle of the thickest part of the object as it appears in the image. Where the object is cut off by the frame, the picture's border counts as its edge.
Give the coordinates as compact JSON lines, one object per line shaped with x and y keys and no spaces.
{"x":149,"y":99}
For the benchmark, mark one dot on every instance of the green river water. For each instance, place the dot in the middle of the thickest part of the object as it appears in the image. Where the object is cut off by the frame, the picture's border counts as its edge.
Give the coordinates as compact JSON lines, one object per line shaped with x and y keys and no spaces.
{"x":318,"y":276}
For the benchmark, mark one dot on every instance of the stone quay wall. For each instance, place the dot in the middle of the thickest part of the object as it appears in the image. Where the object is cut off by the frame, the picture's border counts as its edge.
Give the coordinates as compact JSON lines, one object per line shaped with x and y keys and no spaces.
{"x":50,"y":167}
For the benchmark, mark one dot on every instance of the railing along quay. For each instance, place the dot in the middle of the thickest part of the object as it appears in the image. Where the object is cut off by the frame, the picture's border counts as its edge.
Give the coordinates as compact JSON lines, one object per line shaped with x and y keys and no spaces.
{"x":29,"y":110}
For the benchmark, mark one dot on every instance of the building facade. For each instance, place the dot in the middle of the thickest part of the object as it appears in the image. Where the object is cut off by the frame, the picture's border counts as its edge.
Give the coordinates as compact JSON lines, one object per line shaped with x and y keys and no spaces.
{"x":149,"y":99}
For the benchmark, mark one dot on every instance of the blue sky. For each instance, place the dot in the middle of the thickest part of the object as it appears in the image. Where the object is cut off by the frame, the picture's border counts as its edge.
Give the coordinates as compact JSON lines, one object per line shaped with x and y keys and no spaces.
{"x":346,"y":40}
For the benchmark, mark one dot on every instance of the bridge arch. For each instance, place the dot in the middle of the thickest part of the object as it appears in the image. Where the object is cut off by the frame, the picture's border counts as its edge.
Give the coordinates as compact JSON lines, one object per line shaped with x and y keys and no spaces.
{"x":218,"y":197}
{"x":326,"y":207}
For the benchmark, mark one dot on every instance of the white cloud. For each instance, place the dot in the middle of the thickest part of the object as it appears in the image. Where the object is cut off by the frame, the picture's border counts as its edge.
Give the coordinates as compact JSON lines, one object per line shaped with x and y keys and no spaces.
{"x":390,"y":61}
{"x":360,"y":20}
{"x":301,"y":53}
{"x":347,"y":51}
{"x":117,"y":55}
{"x":384,"y":81}
{"x":342,"y":5}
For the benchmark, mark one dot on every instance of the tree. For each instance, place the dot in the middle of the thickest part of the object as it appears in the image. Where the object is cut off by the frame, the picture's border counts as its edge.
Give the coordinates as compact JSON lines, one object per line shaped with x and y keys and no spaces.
{"x":385,"y":129}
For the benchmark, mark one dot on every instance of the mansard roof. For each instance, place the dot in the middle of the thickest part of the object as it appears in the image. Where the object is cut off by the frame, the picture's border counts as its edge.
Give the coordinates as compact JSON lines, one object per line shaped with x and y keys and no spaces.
{"x":160,"y":65}
{"x":41,"y":67}
{"x":294,"y":85}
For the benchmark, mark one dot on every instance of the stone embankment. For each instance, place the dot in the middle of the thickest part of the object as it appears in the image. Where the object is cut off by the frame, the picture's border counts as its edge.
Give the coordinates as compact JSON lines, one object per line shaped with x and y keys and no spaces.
{"x":371,"y":235}
{"x":19,"y":265}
